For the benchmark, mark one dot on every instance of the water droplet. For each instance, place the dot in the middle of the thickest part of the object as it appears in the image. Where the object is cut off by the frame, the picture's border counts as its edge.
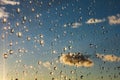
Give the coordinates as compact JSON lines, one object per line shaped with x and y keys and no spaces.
{"x":4,"y":28}
{"x":30,"y":20}
{"x":17,"y":24}
{"x":37,"y":16}
{"x":53,"y":78}
{"x":65,"y":25}
{"x":30,"y":2}
{"x":28,"y":38}
{"x":16,"y":79}
{"x":31,"y":67}
{"x":69,"y":47}
{"x":39,"y":62}
{"x":20,"y":50}
{"x":4,"y":20}
{"x":18,"y":10}
{"x":11,"y":51}
{"x":10,"y":44}
{"x":19,"y":34}
{"x":51,"y":73}
{"x":53,"y":51}
{"x":35,"y":78}
{"x":49,"y":3}
{"x":41,"y":42}
{"x":33,"y":9}
{"x":72,"y":72}
{"x":24,"y":18}
{"x":5,"y":55}
{"x":65,"y":48}
{"x":12,"y":31}
{"x":3,"y":36}
{"x":55,"y":68}
{"x":41,"y":36}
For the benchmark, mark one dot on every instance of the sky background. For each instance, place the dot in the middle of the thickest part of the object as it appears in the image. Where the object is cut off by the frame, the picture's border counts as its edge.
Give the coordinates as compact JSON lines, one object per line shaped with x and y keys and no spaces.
{"x":41,"y":39}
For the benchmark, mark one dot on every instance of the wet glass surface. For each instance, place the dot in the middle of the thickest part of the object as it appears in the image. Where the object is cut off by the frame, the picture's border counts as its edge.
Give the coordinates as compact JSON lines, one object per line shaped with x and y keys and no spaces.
{"x":59,"y":39}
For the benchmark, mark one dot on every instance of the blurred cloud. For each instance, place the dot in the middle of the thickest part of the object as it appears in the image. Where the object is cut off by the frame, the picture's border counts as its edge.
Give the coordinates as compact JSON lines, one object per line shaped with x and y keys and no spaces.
{"x":108,"y":57}
{"x":3,"y":13}
{"x":10,"y":2}
{"x":93,"y":21}
{"x":76,"y":24}
{"x":77,"y":59}
{"x":114,"y":19}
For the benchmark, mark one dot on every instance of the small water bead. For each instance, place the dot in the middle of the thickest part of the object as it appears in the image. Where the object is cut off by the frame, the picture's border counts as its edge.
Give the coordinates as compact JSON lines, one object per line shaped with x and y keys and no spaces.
{"x":54,"y":52}
{"x":35,"y":78}
{"x":41,"y":36}
{"x":39,"y":62}
{"x":55,"y":68}
{"x":11,"y":51}
{"x":18,"y":10}
{"x":30,"y":2}
{"x":5,"y":55}
{"x":33,"y":9}
{"x":4,"y":20}
{"x":20,"y":50}
{"x":24,"y":18}
{"x":19,"y":34}
{"x":3,"y":36}
{"x":10,"y":44}
{"x":69,"y":47}
{"x":28,"y":38}
{"x":72,"y":72}
{"x":51,"y":73}
{"x":53,"y":78}
{"x":16,"y":79}
{"x":4,"y":28}
{"x":37,"y":16}
{"x":30,"y":20}
{"x":12,"y":30}
{"x":65,"y":48}
{"x":17,"y":24}
{"x":41,"y":42}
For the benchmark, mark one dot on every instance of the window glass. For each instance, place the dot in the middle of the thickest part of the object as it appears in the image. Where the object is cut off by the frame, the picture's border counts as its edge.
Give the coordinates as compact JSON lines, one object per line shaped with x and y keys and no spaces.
{"x":59,"y":39}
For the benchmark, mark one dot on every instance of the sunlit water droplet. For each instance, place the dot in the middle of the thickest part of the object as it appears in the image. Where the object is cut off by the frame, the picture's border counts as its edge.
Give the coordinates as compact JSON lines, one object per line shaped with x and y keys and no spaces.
{"x":18,"y":10}
{"x":5,"y":55}
{"x":41,"y":36}
{"x":24,"y":18}
{"x":3,"y":36}
{"x":33,"y":9}
{"x":17,"y":24}
{"x":51,"y":73}
{"x":10,"y":44}
{"x":41,"y":42}
{"x":39,"y":62}
{"x":11,"y":51}
{"x":4,"y":20}
{"x":12,"y":30}
{"x":28,"y":38}
{"x":19,"y":34}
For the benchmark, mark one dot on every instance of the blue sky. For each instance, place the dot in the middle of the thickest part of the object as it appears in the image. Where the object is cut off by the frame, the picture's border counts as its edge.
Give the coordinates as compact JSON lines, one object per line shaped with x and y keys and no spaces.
{"x":59,"y":39}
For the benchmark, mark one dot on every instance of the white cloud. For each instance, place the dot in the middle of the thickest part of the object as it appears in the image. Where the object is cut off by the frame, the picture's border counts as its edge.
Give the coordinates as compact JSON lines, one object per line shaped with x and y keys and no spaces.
{"x":114,"y":19}
{"x":3,"y":13}
{"x":78,"y":60}
{"x":11,"y":2}
{"x":93,"y":21}
{"x":76,"y":25}
{"x":108,"y":57}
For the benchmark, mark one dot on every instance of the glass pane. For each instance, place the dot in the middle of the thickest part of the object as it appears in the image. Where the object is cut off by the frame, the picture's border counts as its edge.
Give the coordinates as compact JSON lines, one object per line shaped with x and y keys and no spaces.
{"x":59,"y":39}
